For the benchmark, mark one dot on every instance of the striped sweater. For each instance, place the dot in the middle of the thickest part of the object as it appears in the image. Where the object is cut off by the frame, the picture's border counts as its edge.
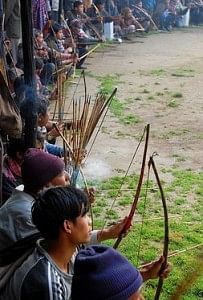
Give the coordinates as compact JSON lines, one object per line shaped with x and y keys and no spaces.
{"x":39,"y":278}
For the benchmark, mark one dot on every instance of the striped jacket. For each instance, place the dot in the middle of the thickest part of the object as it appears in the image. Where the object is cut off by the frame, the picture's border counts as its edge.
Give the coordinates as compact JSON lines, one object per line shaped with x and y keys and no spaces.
{"x":39,"y":278}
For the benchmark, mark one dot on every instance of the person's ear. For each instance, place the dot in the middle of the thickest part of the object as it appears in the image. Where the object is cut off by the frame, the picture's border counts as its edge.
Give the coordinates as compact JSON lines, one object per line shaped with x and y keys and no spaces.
{"x":67,"y":226}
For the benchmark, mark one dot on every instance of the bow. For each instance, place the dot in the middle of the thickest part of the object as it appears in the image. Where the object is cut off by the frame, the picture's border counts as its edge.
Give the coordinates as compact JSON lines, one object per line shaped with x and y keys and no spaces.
{"x":137,"y":194}
{"x":72,"y":41}
{"x":94,"y":30}
{"x":89,"y":52}
{"x":166,"y":230}
{"x":99,"y":15}
{"x":147,"y":15}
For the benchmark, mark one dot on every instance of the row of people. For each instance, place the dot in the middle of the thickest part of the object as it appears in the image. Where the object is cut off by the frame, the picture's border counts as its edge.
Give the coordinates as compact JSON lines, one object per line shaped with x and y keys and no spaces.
{"x":57,"y":219}
{"x":55,"y":46}
{"x":163,"y":12}
{"x":166,"y":14}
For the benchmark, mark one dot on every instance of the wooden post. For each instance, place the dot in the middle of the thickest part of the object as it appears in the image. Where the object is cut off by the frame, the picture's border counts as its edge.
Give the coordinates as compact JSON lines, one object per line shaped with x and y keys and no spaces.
{"x":27,"y":39}
{"x":60,"y":11}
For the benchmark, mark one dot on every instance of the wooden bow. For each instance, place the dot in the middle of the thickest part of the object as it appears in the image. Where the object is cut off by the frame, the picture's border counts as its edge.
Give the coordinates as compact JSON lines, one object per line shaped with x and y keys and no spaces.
{"x":147,"y":15}
{"x":72,"y":41}
{"x":89,"y":52}
{"x":137,"y":194}
{"x":166,"y":228}
{"x":99,"y":14}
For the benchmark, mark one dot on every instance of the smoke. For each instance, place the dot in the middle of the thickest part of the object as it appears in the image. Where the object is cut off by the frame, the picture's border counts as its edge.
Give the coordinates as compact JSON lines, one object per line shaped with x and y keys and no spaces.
{"x":96,"y":169}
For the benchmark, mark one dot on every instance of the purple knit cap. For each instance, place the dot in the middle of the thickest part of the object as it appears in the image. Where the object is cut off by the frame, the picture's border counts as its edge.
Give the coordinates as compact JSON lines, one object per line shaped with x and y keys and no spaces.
{"x":39,"y":168}
{"x":102,"y":273}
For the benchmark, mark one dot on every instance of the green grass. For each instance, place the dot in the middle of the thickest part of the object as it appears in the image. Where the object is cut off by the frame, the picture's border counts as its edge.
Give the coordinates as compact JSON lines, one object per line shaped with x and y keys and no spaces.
{"x":108,"y":83}
{"x":183,"y":72}
{"x":159,"y":94}
{"x":157,"y":72}
{"x":173,"y":103}
{"x":117,"y":107}
{"x":145,"y":91}
{"x":150,"y":98}
{"x":174,"y":133}
{"x":179,"y":158}
{"x":184,"y":196}
{"x":177,"y":95}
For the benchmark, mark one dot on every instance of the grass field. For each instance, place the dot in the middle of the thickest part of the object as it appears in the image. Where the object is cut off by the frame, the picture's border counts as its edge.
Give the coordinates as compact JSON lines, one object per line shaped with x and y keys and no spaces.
{"x":145,"y":241}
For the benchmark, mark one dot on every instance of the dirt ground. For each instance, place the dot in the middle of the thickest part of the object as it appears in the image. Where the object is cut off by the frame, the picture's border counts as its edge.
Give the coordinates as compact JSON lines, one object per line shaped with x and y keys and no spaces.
{"x":161,"y":83}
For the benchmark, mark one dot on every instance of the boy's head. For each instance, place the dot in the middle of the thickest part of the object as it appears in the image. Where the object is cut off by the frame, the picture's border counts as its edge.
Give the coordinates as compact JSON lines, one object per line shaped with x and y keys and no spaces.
{"x":43,"y":112}
{"x":57,"y":30}
{"x":78,"y":6}
{"x":61,"y":213}
{"x":101,"y":273}
{"x":99,"y":4}
{"x":40,"y":169}
{"x":138,"y":3}
{"x":38,"y":36}
{"x":126,"y":12}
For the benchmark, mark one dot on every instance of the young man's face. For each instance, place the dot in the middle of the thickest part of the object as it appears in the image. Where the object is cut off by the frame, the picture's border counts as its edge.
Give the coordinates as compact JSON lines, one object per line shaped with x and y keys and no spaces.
{"x":81,"y":229}
{"x":40,"y":39}
{"x":59,"y":34}
{"x":43,"y":119}
{"x":128,"y":13}
{"x":80,"y":9}
{"x":60,"y":180}
{"x":139,"y":4}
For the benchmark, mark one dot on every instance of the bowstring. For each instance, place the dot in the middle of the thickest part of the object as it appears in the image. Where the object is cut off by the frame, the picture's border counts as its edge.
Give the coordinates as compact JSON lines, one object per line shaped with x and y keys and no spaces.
{"x":143,"y":216}
{"x":124,"y":177}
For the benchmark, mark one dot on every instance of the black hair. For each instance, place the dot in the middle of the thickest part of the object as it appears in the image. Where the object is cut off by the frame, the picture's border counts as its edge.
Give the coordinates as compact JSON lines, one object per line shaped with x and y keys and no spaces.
{"x":42,"y":106}
{"x":19,"y":83}
{"x":55,"y":206}
{"x":36,"y":32}
{"x":99,"y":2}
{"x":56,"y":27}
{"x":14,"y":146}
{"x":77,"y":3}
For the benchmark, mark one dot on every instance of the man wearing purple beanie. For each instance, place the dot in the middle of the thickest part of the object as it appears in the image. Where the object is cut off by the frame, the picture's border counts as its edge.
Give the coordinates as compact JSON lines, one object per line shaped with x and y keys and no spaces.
{"x":17,"y":231}
{"x":54,"y":264}
{"x":102,"y":273}
{"x":39,"y":170}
